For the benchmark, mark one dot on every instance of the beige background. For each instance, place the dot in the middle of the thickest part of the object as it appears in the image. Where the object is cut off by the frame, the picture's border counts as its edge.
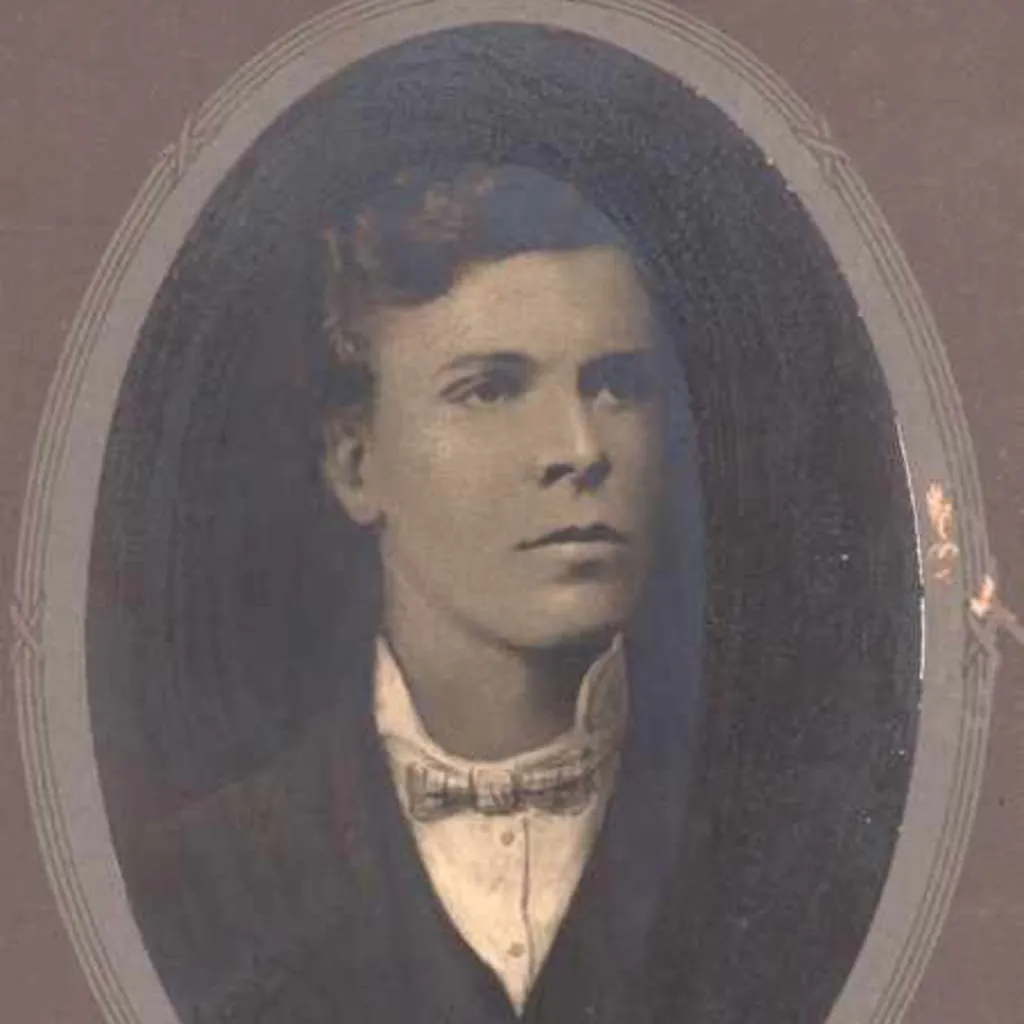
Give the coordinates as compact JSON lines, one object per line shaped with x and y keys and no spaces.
{"x":925,"y":98}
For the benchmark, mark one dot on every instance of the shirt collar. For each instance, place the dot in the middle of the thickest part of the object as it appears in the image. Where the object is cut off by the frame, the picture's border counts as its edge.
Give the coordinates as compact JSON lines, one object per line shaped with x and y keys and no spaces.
{"x":600,"y":718}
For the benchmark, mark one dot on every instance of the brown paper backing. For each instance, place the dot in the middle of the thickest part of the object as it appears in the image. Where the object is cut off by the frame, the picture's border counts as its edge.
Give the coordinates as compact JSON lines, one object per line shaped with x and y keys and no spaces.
{"x":926,"y":100}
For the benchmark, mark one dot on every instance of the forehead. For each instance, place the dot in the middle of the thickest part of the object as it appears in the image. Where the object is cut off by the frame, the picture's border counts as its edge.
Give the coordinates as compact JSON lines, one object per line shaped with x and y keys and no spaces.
{"x":541,"y":304}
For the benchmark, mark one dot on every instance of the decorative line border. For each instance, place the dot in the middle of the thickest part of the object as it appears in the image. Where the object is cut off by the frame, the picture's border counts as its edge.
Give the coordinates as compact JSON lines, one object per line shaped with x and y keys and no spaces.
{"x":28,"y":607}
{"x":979,"y":670}
{"x":28,"y":610}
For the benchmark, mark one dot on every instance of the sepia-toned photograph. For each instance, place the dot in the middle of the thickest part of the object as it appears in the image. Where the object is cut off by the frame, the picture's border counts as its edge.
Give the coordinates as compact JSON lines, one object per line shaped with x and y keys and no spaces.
{"x":504,"y":600}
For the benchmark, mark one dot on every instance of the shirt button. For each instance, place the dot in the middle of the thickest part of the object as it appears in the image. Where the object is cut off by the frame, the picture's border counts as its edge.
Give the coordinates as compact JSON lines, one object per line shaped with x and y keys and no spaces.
{"x":508,"y":837}
{"x":517,"y":949}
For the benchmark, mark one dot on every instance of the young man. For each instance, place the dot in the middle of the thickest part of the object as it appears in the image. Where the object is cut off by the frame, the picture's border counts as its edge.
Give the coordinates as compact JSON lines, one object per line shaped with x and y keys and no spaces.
{"x":488,"y":828}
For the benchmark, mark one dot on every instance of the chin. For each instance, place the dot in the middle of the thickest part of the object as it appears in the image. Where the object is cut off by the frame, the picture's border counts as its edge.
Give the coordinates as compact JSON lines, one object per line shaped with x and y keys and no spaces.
{"x":587,"y":620}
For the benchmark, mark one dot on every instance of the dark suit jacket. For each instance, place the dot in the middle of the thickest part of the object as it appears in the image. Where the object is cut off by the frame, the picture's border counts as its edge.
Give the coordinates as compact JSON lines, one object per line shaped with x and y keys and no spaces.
{"x":296,"y":896}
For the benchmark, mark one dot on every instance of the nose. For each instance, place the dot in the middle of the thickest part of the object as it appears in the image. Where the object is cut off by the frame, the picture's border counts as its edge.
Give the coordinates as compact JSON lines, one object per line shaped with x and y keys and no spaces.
{"x":572,"y":448}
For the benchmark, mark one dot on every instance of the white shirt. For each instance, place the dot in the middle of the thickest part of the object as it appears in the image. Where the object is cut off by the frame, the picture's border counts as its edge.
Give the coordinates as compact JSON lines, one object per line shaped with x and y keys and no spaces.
{"x":506,"y":879}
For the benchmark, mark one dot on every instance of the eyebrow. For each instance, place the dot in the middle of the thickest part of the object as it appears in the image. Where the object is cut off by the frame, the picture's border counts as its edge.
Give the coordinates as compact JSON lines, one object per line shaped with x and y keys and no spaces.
{"x":510,"y":360}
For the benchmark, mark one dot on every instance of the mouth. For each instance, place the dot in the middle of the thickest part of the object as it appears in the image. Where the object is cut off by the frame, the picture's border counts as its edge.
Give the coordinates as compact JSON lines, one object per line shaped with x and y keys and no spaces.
{"x":598,"y":534}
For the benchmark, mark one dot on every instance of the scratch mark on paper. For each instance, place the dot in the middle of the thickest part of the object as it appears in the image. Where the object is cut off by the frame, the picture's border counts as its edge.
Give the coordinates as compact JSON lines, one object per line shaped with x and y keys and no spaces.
{"x":943,"y":553}
{"x":987,"y":607}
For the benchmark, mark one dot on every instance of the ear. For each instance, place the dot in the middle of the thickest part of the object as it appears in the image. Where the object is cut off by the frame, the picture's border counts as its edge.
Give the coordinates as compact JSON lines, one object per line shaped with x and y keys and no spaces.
{"x":348,"y":468}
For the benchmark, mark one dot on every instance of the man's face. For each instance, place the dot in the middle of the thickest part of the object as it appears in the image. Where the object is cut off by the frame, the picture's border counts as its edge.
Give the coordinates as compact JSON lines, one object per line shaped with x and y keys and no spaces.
{"x":512,"y":460}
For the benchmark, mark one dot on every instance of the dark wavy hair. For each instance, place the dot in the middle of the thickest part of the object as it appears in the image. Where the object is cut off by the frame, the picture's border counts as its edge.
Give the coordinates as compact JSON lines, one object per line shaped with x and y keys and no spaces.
{"x":411,"y":242}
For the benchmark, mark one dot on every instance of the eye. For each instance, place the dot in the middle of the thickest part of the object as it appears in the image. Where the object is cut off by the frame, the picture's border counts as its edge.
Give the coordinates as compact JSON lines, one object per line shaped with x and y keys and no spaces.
{"x":490,"y":387}
{"x":621,"y":379}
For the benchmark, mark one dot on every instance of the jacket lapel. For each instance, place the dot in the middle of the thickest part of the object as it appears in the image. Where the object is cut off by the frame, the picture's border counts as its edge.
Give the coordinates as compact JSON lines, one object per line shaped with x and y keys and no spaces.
{"x":600,"y":967}
{"x":375,"y":943}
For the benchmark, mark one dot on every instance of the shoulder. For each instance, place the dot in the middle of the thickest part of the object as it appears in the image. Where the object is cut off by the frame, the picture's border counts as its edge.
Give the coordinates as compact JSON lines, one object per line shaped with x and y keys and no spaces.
{"x":249,"y":871}
{"x":252,"y":808}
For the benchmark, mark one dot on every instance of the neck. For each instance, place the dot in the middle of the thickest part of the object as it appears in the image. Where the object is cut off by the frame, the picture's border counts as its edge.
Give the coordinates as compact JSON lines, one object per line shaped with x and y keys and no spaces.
{"x":478,"y":697}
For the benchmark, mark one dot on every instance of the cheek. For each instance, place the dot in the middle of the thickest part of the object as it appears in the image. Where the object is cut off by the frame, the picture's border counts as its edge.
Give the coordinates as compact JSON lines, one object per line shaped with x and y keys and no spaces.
{"x":639,"y":453}
{"x":438,"y":475}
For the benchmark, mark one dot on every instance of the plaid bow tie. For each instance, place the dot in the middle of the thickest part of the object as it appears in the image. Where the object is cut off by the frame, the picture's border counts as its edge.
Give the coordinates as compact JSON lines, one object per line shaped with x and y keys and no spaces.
{"x":434,"y":790}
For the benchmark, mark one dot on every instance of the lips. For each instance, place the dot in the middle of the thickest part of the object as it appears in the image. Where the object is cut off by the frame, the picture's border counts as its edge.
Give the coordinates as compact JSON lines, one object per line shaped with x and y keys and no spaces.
{"x":596,"y":533}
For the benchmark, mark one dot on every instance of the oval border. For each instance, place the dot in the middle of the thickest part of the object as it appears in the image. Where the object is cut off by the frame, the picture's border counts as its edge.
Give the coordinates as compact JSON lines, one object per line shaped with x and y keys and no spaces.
{"x":959,"y":659}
